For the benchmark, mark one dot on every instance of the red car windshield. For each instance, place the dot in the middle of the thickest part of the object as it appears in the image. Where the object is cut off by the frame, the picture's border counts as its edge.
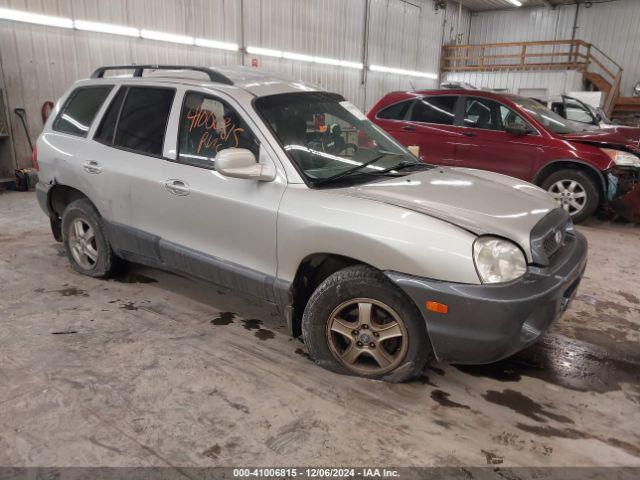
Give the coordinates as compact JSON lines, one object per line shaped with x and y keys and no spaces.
{"x":549,"y":120}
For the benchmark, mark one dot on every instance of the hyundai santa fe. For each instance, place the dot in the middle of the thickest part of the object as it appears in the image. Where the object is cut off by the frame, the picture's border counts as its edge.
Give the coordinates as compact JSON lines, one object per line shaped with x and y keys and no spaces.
{"x":515,"y":136}
{"x":289,"y":194}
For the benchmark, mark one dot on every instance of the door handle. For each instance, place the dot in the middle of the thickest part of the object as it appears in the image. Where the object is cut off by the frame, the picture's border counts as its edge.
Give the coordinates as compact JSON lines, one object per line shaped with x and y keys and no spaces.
{"x":92,"y":167}
{"x":177,"y":187}
{"x":409,"y":128}
{"x":469,"y":134}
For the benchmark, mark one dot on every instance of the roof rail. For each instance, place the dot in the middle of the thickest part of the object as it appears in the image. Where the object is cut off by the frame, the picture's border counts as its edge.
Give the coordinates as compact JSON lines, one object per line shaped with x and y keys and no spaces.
{"x":214,"y":76}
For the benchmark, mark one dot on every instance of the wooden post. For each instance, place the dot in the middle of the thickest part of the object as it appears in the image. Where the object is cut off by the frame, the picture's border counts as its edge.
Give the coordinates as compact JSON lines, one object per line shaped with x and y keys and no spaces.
{"x":523,"y":54}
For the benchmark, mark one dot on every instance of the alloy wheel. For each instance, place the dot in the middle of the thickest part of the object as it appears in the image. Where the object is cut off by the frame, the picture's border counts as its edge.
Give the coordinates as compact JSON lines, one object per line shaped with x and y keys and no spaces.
{"x":367,"y":336}
{"x":570,"y":194}
{"x":82,"y":243}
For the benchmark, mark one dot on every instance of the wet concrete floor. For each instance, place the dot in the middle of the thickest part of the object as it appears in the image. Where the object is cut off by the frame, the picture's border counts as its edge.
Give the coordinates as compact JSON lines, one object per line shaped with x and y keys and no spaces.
{"x":157,"y":369}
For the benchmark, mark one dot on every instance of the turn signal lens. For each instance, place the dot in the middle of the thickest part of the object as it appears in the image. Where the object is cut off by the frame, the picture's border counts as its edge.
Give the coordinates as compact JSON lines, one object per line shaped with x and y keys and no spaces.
{"x":437,"y":307}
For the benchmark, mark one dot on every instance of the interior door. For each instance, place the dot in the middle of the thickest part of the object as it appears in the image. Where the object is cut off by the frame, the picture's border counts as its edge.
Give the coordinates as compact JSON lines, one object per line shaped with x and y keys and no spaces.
{"x":486,"y":145}
{"x":215,"y":227}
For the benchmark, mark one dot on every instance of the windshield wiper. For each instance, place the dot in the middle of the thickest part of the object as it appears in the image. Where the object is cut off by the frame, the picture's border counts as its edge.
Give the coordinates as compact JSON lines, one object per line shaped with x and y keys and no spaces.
{"x":402,"y":166}
{"x":355,"y":169}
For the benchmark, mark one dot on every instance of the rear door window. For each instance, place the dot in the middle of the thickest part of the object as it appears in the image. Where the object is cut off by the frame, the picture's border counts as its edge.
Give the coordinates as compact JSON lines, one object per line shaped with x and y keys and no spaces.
{"x":137,"y":119}
{"x":437,"y":109}
{"x":142,"y":123}
{"x":80,"y":110}
{"x":108,"y":125}
{"x":209,"y":125}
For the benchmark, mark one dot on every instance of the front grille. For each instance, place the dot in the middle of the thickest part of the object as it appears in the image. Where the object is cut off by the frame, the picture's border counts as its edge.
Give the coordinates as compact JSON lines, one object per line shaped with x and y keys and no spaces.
{"x":551,"y":244}
{"x":548,"y":236}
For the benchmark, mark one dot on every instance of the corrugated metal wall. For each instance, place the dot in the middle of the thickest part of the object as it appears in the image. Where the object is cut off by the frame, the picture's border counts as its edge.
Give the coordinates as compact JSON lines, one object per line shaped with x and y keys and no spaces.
{"x":553,"y":83}
{"x":611,"y":26}
{"x":40,"y":63}
{"x":455,"y":32}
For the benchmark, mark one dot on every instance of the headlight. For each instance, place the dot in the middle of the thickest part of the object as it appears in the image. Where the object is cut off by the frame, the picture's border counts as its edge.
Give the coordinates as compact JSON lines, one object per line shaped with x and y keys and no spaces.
{"x":622,"y":158}
{"x":498,"y":260}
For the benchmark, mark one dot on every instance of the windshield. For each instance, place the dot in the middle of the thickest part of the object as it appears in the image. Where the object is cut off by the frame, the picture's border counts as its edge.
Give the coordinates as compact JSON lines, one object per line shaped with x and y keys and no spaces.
{"x":549,"y":120}
{"x":330,"y":139}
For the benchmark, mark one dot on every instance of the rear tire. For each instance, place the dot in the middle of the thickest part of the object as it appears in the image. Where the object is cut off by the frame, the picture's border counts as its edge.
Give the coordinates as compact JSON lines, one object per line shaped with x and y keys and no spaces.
{"x":575,"y":191}
{"x":357,"y":322}
{"x":85,"y":241}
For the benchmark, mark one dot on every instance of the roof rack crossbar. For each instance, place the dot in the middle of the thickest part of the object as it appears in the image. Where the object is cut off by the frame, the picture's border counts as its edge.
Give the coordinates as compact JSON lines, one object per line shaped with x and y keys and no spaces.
{"x":214,"y":76}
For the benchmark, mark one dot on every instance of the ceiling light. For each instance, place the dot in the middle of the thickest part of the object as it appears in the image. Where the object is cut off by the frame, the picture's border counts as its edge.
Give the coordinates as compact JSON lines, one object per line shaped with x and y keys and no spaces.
{"x":106,"y":28}
{"x":517,"y":3}
{"x":326,"y":61}
{"x":20,"y":16}
{"x":264,"y":51}
{"x":401,"y":71}
{"x":167,"y":37}
{"x":203,"y":42}
{"x":297,"y":56}
{"x":356,"y":65}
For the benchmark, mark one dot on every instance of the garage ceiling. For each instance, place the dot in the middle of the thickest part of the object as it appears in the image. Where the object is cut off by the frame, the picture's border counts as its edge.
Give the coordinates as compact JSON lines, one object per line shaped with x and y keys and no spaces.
{"x":481,"y":5}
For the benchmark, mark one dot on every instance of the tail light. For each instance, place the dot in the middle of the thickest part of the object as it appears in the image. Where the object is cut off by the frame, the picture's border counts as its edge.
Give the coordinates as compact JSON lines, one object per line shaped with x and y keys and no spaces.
{"x":34,"y":159}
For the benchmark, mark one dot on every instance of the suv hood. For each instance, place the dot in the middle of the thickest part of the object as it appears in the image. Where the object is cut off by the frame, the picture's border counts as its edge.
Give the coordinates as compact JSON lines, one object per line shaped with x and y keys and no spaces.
{"x":609,"y":137}
{"x":476,"y":200}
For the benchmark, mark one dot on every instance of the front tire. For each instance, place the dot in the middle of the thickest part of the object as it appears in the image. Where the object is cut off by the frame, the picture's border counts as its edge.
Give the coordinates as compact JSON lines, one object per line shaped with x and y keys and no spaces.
{"x":357,"y":322}
{"x":575,"y":191}
{"x":85,"y":242}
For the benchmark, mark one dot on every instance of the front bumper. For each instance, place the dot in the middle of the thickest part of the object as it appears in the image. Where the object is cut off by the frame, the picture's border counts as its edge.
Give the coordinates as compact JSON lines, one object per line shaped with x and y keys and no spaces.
{"x":486,"y":323}
{"x":621,"y":180}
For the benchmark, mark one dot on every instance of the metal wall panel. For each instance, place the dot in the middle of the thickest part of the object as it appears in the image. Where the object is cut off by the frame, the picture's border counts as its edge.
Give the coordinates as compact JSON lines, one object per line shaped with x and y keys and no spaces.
{"x":554,"y":82}
{"x":40,"y":63}
{"x":452,"y":28}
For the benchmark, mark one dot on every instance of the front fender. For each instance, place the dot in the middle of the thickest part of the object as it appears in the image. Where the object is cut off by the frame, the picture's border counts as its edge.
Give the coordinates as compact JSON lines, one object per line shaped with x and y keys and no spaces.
{"x":384,"y":236}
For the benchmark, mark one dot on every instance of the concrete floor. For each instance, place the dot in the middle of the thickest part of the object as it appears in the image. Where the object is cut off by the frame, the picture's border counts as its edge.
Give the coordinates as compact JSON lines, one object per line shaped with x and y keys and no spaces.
{"x":155,"y":369}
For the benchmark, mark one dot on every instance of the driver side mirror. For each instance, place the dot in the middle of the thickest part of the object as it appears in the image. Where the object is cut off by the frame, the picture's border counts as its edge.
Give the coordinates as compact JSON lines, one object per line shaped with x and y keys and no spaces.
{"x":517,"y":130}
{"x":241,"y":163}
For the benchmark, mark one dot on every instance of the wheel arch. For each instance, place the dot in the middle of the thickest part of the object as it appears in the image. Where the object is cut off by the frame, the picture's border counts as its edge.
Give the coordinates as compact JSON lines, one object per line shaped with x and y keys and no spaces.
{"x":58,"y":197}
{"x":583,"y":166}
{"x":311,"y":272}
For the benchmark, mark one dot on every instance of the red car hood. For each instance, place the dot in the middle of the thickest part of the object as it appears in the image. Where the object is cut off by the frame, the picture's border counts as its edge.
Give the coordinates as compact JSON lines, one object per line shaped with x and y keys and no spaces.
{"x":608,"y":137}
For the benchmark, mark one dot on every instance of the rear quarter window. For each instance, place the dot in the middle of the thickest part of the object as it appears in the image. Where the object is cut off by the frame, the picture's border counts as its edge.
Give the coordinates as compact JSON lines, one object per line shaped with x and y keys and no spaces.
{"x":397,"y":111}
{"x":80,"y":110}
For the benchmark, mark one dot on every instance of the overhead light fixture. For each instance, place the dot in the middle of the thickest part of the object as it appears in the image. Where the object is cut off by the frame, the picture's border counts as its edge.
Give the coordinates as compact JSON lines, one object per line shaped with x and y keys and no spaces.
{"x":27,"y":17}
{"x":515,"y":3}
{"x":356,"y":65}
{"x":297,"y":56}
{"x":203,"y":42}
{"x":401,"y":71}
{"x":106,"y":28}
{"x":267,"y":52}
{"x":167,"y":37}
{"x":326,"y":61}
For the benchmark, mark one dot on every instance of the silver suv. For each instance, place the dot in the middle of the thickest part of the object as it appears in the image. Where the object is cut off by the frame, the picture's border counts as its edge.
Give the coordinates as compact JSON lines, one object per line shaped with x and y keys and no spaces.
{"x":287,"y":193}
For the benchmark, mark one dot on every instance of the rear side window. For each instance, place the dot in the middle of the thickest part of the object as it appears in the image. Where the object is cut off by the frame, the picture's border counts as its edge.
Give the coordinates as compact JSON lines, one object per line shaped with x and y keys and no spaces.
{"x":397,"y":111}
{"x":209,"y":125}
{"x":440,"y":110}
{"x":80,"y":110}
{"x":137,"y":119}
